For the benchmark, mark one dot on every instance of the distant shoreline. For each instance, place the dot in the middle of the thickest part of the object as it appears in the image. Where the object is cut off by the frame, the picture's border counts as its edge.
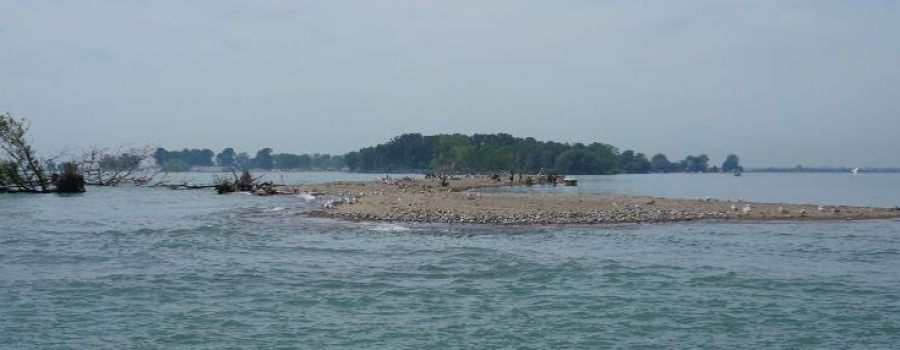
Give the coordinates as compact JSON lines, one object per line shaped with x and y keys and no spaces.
{"x":746,"y":171}
{"x":426,"y":201}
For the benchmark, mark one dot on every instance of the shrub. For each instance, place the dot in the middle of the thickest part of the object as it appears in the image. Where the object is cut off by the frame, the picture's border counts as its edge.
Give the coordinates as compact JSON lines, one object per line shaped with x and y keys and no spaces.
{"x":224,"y":185}
{"x":70,"y":181}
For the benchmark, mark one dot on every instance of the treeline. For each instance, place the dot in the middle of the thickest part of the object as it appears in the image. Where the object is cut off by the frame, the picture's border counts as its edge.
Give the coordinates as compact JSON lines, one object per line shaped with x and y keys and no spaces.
{"x":456,"y":153}
{"x":482,"y":153}
{"x":265,"y":159}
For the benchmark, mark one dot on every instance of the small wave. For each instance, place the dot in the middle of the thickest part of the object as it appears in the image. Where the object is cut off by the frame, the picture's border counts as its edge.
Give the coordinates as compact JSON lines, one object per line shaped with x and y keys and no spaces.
{"x":388,"y":228}
{"x":275,"y":209}
{"x":307,"y":197}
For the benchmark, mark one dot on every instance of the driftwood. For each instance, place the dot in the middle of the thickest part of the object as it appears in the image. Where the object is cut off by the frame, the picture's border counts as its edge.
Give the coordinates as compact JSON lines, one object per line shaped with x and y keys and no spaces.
{"x":186,"y":186}
{"x":244,"y":183}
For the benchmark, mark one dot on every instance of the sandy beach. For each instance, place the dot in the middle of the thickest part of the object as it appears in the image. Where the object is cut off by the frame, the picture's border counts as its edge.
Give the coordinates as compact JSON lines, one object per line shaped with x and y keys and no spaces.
{"x":426,"y":201}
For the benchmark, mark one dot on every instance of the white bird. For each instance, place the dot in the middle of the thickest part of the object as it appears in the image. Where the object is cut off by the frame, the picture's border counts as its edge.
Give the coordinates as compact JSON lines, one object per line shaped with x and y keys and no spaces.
{"x":746,"y":209}
{"x":855,"y":171}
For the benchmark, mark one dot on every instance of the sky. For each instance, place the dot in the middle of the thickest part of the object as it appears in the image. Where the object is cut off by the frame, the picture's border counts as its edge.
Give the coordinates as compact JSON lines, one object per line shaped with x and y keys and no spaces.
{"x":780,"y":83}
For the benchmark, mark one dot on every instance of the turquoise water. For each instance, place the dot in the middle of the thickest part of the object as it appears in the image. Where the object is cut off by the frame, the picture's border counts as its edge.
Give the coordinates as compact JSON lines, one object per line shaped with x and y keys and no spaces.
{"x":139,"y":268}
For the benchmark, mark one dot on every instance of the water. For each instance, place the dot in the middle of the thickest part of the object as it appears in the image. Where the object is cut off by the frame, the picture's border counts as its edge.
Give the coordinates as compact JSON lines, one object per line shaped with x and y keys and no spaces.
{"x":882,"y":190}
{"x":139,"y":268}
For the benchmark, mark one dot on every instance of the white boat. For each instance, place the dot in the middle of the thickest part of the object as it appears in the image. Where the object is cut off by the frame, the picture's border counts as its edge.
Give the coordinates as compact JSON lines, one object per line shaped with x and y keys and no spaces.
{"x":570,"y":181}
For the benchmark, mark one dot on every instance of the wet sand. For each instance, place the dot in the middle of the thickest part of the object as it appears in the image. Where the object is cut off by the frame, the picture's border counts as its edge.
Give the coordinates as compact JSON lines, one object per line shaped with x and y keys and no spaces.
{"x":426,"y":201}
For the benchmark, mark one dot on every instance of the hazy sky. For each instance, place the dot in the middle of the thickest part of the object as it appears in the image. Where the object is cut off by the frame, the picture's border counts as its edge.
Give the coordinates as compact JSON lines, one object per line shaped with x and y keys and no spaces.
{"x":780,"y":83}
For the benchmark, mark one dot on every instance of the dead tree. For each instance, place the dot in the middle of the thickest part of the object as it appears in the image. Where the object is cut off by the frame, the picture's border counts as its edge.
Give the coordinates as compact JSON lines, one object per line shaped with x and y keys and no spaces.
{"x":245,"y":182}
{"x":20,"y":168}
{"x":106,"y":167}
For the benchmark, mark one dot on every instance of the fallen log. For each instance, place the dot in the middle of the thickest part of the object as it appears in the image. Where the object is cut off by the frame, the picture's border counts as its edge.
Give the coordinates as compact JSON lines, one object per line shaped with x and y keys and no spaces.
{"x":188,"y":187}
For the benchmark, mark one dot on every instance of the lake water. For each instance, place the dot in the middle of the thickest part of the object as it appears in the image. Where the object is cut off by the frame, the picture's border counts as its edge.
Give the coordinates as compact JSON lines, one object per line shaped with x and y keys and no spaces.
{"x":882,"y":190}
{"x":145,"y":268}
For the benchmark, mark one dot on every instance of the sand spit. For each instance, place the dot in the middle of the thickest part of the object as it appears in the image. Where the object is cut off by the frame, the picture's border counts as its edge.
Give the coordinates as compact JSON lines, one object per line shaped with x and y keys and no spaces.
{"x":426,"y":201}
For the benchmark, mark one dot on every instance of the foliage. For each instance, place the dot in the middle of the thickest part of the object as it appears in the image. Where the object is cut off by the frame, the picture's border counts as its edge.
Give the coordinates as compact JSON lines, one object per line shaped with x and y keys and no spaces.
{"x":70,"y":180}
{"x":226,"y":158}
{"x":480,"y":153}
{"x":244,"y":183}
{"x":694,"y":164}
{"x":189,"y":157}
{"x":634,"y":163}
{"x":175,"y":165}
{"x":732,"y":163}
{"x":223,"y":185}
{"x":578,"y":161}
{"x":661,"y":164}
{"x":243,"y":161}
{"x":19,"y":165}
{"x":446,"y":153}
{"x":529,"y":181}
{"x":263,"y":159}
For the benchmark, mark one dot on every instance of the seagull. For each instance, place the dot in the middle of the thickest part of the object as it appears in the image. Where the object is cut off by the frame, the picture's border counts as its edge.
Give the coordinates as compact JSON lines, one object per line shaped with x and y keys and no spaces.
{"x":746,"y":209}
{"x":855,"y":171}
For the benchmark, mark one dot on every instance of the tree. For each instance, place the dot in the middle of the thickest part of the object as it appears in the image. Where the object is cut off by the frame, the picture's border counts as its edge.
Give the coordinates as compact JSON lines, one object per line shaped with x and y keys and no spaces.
{"x":191,"y":157}
{"x":660,"y":164}
{"x":476,"y":153}
{"x":353,"y":161}
{"x":176,"y":165}
{"x":70,"y":181}
{"x":226,"y":158}
{"x":263,"y":159}
{"x":19,"y":164}
{"x":634,"y":163}
{"x":695,"y":164}
{"x":105,"y":167}
{"x":243,"y":161}
{"x":732,"y":163}
{"x":577,"y":162}
{"x":161,"y":156}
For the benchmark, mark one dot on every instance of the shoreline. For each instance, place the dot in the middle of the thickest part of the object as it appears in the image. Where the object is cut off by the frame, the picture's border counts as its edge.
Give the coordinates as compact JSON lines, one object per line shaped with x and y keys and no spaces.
{"x":426,"y":201}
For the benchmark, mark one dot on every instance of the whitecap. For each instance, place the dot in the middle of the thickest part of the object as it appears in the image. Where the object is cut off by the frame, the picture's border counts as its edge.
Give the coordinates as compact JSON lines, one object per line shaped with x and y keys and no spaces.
{"x":275,"y":209}
{"x":306,"y":196}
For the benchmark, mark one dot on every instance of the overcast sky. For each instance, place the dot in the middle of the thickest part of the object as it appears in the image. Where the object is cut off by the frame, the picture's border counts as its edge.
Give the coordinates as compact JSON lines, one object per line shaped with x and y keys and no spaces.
{"x":780,"y":83}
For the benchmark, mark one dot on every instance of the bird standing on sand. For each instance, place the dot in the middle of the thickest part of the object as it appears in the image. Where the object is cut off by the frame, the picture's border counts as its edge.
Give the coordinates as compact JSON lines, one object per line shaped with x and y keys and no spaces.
{"x":747,"y":209}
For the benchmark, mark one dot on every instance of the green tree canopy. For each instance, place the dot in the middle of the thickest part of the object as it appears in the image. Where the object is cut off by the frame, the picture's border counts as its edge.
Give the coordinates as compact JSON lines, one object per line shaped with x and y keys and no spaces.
{"x":660,"y":163}
{"x":732,"y":163}
{"x":226,"y":157}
